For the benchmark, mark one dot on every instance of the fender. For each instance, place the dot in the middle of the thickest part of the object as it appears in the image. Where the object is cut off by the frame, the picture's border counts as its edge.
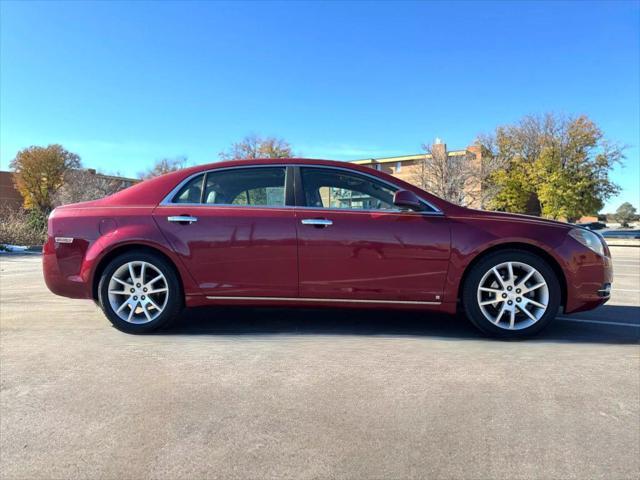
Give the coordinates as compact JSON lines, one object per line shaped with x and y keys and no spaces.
{"x":143,"y":232}
{"x":467,"y":248}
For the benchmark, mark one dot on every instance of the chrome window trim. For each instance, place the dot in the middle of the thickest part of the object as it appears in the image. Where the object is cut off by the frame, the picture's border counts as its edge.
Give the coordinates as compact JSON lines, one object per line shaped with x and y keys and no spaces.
{"x":226,"y":205}
{"x":375,"y":210}
{"x":166,"y":201}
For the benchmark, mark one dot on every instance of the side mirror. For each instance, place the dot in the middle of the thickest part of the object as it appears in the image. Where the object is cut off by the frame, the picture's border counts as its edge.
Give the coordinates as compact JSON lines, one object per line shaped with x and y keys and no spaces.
{"x":407,"y":199}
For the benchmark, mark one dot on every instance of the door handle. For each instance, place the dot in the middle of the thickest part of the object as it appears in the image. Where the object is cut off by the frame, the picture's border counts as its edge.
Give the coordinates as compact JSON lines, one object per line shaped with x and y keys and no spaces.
{"x":182,"y":219}
{"x":317,"y":222}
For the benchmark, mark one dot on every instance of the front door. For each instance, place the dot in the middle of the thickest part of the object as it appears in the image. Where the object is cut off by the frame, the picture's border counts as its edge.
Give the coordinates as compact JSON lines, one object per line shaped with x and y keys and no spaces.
{"x":234,"y":232}
{"x":354,"y":244}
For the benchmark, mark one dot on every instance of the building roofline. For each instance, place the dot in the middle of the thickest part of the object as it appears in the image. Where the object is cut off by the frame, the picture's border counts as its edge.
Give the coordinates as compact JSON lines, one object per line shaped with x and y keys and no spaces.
{"x":92,"y":171}
{"x":117,"y":178}
{"x":107,"y":176}
{"x":405,"y":158}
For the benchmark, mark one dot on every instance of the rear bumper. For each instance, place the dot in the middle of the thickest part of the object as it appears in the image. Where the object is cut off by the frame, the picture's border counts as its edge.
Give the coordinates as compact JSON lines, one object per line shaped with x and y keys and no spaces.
{"x":61,"y":269}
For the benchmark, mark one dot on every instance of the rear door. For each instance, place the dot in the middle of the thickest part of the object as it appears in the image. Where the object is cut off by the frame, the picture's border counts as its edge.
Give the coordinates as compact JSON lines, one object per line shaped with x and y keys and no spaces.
{"x":354,"y":244}
{"x":235,"y":232}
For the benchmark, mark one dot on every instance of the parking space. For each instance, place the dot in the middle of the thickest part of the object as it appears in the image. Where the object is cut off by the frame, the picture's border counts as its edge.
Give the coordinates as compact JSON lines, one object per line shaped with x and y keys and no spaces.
{"x":255,"y":393}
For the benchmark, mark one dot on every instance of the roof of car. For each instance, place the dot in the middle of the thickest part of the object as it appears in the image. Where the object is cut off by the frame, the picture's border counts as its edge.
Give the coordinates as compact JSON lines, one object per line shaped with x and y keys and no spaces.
{"x":151,"y":192}
{"x":277,"y":161}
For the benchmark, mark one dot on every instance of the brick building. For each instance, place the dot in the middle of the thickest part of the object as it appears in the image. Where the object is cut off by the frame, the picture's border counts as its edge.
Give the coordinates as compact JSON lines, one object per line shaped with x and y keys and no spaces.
{"x":407,"y":167}
{"x":9,"y":196}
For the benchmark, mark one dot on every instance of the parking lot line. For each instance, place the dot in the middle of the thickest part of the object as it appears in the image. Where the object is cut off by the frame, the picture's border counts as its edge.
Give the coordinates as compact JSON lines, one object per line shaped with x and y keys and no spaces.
{"x":625,"y":290}
{"x":584,"y":320}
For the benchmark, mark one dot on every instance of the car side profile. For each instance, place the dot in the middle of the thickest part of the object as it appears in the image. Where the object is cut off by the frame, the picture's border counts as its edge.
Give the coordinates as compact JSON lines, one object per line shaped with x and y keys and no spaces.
{"x":300,"y":232}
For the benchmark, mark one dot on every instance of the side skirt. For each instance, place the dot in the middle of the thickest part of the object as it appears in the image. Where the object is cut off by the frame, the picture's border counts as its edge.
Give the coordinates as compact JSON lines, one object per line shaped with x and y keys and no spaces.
{"x":322,"y":300}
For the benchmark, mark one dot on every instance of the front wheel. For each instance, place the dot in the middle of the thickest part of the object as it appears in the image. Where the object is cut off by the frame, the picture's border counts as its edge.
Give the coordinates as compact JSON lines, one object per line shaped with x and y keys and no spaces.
{"x":511,"y":294}
{"x":139,"y":292}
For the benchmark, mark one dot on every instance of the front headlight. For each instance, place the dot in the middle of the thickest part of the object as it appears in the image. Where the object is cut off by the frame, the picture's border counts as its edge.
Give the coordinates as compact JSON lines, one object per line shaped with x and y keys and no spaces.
{"x":589,"y":239}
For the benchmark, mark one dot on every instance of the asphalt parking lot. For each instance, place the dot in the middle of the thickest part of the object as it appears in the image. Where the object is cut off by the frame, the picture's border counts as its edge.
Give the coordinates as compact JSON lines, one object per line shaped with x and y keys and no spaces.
{"x":261,"y":393}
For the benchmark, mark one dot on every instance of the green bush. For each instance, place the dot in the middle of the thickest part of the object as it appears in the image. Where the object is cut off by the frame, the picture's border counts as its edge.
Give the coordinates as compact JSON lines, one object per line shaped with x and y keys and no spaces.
{"x":22,"y":227}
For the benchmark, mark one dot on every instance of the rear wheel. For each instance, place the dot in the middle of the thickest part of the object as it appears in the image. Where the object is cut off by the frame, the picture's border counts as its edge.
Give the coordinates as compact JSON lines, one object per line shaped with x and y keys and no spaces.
{"x":139,"y":292}
{"x":511,"y":294}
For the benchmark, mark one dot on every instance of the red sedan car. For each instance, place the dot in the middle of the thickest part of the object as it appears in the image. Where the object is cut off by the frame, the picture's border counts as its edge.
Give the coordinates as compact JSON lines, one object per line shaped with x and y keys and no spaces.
{"x":301,"y":232}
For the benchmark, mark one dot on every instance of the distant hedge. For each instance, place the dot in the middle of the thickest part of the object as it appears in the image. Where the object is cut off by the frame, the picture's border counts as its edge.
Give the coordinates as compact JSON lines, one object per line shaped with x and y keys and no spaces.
{"x":22,"y":227}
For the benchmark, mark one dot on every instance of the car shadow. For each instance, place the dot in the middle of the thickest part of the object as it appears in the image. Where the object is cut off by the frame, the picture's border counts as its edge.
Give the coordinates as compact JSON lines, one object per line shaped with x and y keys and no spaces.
{"x":235,"y":321}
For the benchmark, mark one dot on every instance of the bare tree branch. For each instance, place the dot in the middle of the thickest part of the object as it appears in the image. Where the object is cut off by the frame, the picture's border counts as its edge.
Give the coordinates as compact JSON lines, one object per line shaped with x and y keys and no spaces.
{"x":164,"y":165}
{"x":452,"y":177}
{"x":253,"y":146}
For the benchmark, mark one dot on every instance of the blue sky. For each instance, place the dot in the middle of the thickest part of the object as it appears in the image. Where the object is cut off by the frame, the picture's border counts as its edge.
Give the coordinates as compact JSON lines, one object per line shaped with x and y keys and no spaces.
{"x":126,"y":83}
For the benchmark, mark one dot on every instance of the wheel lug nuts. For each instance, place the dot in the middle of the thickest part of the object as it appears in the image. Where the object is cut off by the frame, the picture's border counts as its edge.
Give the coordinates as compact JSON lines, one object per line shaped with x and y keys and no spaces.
{"x":142,"y":297}
{"x":518,"y":290}
{"x":144,"y":289}
{"x":133,"y":290}
{"x":504,"y":295}
{"x":510,"y":302}
{"x":138,"y":285}
{"x":518,"y":299}
{"x":509,"y":288}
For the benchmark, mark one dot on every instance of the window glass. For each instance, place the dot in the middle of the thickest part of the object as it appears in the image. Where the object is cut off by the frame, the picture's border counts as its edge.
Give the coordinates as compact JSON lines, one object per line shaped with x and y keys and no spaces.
{"x":191,"y":192}
{"x":327,"y":188}
{"x":263,"y":186}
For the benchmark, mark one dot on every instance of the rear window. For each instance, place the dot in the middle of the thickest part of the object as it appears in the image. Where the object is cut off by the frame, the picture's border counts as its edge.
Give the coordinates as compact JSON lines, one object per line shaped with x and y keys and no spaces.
{"x":191,"y":192}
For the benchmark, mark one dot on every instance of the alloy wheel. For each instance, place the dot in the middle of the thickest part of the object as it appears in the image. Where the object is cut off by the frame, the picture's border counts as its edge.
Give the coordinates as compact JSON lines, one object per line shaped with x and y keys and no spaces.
{"x":513,"y":295}
{"x":138,"y":292}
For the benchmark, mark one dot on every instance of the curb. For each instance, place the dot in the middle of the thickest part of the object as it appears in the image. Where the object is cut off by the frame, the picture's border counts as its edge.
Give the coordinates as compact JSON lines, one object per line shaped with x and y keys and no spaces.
{"x":24,"y":250}
{"x":623,"y":242}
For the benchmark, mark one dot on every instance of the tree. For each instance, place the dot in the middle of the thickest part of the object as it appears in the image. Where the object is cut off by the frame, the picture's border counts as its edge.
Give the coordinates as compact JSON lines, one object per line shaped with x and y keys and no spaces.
{"x":461,"y":178}
{"x":554,"y":164}
{"x":451,"y":177}
{"x":254,"y":146}
{"x":164,"y":165}
{"x":84,"y":185}
{"x":40,"y":173}
{"x":513,"y":192}
{"x":490,"y":165}
{"x":625,"y":213}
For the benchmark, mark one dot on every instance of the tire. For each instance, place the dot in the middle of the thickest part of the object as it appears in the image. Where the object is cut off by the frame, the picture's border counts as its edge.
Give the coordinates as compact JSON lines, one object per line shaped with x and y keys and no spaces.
{"x":482,"y":286}
{"x":157,"y":302}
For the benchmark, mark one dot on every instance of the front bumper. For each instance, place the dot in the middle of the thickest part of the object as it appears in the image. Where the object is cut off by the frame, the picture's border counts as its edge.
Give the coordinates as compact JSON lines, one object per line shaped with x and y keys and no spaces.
{"x":589,"y":282}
